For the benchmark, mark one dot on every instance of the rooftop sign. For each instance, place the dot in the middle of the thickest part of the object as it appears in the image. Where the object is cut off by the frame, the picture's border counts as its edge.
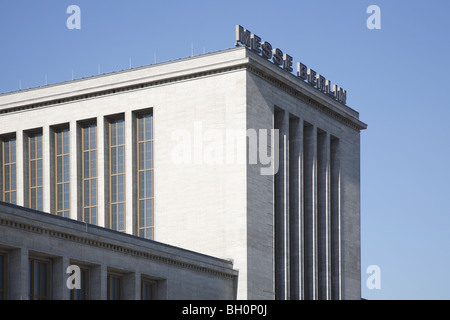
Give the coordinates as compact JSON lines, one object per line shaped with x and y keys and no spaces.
{"x":285,"y":61}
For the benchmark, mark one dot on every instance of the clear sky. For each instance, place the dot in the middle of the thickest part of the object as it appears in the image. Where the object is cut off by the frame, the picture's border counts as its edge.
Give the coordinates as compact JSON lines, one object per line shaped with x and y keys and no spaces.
{"x":396,"y":77}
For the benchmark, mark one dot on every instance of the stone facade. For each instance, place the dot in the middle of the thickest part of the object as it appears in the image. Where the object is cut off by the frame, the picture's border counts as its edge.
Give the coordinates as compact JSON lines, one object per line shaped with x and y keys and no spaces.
{"x":292,"y":235}
{"x":176,"y":273}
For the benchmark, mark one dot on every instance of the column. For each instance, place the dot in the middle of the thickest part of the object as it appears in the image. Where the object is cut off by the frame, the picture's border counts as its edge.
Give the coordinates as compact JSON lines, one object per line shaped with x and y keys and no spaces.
{"x":310,"y":210}
{"x":129,"y":164}
{"x":18,"y":274}
{"x":20,"y":163}
{"x":132,"y":286}
{"x":46,"y":168}
{"x":75,"y":194}
{"x":323,"y":214}
{"x":295,"y":208}
{"x":282,"y":209}
{"x":101,"y":172}
{"x":59,"y":278}
{"x":98,"y":285}
{"x":335,"y":220}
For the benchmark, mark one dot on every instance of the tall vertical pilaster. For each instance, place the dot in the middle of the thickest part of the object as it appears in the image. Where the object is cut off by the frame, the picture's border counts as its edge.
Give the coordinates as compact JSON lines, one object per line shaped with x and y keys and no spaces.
{"x":335,"y":215}
{"x":46,"y":168}
{"x":74,"y":177}
{"x":310,"y":211}
{"x":129,"y":186}
{"x":282,"y":290}
{"x":20,"y":163}
{"x":296,"y":208}
{"x":323,"y":214}
{"x":101,"y":171}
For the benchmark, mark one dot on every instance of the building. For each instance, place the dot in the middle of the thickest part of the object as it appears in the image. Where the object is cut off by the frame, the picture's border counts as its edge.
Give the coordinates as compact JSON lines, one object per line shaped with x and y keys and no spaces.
{"x":113,"y":265}
{"x":156,"y":152}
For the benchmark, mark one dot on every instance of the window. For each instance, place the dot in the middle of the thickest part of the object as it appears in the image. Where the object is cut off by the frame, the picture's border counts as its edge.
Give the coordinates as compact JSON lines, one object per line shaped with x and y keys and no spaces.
{"x":114,"y":287}
{"x":145,"y":174}
{"x":2,"y":276}
{"x":62,"y":158}
{"x":117,"y":174}
{"x":9,"y":169}
{"x":35,"y":171}
{"x":82,"y":293}
{"x":39,"y":280}
{"x":147,"y":290}
{"x":89,"y":163}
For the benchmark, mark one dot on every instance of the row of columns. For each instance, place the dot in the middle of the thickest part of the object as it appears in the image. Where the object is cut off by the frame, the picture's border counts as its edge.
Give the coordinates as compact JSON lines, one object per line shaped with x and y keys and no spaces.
{"x":307,"y":215}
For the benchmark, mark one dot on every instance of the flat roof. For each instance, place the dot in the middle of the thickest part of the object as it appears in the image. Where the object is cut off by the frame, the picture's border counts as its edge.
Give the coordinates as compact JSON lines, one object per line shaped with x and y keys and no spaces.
{"x":100,"y":234}
{"x":166,"y":72}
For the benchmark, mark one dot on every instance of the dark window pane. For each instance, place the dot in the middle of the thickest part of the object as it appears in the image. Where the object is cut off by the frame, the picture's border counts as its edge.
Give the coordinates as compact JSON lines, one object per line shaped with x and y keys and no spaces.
{"x":43,"y":280}
{"x":93,"y":136}
{"x":120,"y":132}
{"x":93,"y":215}
{"x":141,"y":156}
{"x":33,"y":198}
{"x":141,"y":213}
{"x":114,"y":189}
{"x":148,"y":155}
{"x":148,"y":126}
{"x":141,"y":128}
{"x":86,"y":138}
{"x":120,"y":159}
{"x":113,"y":133}
{"x":87,"y":215}
{"x":40,"y":199}
{"x":66,"y":196}
{"x":33,"y":173}
{"x":114,"y":216}
{"x":93,"y":192}
{"x":86,"y":193}
{"x":86,"y":165}
{"x":59,"y":143}
{"x":39,"y":172}
{"x":59,"y":196}
{"x":141,"y":184}
{"x":66,"y":168}
{"x":13,"y":150}
{"x":121,"y":187}
{"x":13,"y":177}
{"x":66,"y":141}
{"x":7,"y":178}
{"x":93,"y":164}
{"x":32,"y":142}
{"x":39,"y":145}
{"x":113,"y":160}
{"x":59,"y":169}
{"x":121,"y":215}
{"x":6,"y":152}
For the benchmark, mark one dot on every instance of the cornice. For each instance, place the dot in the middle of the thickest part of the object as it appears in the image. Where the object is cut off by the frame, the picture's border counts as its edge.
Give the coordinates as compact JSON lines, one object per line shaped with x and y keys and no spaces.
{"x":85,"y":240}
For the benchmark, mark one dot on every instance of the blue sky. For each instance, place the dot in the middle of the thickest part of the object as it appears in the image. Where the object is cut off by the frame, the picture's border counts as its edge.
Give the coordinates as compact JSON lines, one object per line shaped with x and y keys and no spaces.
{"x":396,"y":78}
